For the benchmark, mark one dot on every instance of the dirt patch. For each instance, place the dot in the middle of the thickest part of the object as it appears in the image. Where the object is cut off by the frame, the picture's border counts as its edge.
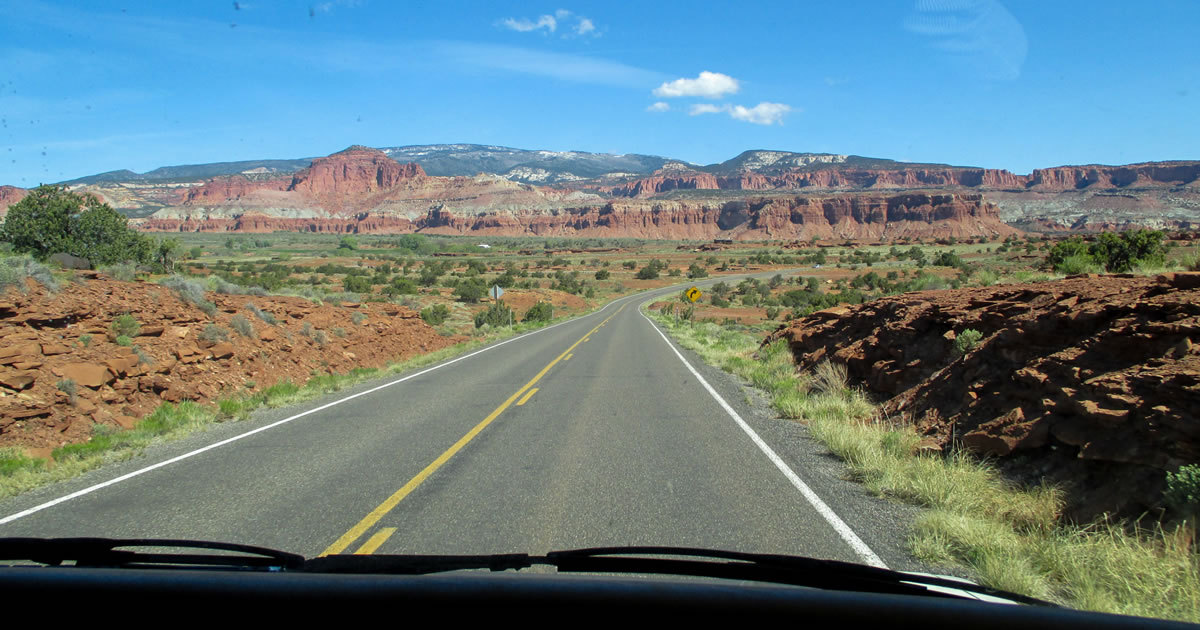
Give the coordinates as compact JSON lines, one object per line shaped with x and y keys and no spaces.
{"x":520,"y":300}
{"x":1090,"y":382}
{"x":48,"y":339}
{"x":742,"y":314}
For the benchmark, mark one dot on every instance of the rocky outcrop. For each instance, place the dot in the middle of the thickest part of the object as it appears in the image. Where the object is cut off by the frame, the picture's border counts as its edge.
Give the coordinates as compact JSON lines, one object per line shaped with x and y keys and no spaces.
{"x":662,"y":182}
{"x":1088,"y":382}
{"x":355,"y":171}
{"x":1050,"y":179}
{"x":1132,"y":175}
{"x":8,"y":196}
{"x":61,"y":373}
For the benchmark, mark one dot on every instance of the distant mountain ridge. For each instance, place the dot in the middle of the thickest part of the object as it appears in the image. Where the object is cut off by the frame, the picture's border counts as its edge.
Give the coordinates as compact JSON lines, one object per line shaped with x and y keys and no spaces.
{"x":405,"y":183}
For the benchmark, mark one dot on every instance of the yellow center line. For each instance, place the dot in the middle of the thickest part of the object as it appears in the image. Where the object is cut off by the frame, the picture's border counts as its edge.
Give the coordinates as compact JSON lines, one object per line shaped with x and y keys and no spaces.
{"x":391,"y":502}
{"x":527,"y":396}
{"x":375,"y":541}
{"x":568,"y":357}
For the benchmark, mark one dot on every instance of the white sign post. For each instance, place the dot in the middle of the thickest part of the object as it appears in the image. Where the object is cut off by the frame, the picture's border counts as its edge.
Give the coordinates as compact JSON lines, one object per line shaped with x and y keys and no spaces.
{"x":496,"y":292}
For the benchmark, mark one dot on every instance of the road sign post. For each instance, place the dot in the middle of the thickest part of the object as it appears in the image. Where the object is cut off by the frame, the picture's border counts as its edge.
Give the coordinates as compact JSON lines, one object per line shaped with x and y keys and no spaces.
{"x":496,"y":292}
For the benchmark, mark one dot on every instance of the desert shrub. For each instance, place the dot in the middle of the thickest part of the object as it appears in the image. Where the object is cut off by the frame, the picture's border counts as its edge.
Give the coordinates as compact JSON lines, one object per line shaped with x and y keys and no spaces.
{"x":123,"y":340}
{"x":540,"y":312}
{"x":647,"y":273}
{"x":773,"y":312}
{"x":307,"y":330}
{"x":213,"y":333}
{"x":1077,"y":264}
{"x":125,"y":325}
{"x":261,"y":314}
{"x":1183,"y":490}
{"x":191,"y":292}
{"x":966,"y":341}
{"x":15,"y":269}
{"x":319,"y":337}
{"x":986,"y":277}
{"x":496,"y":314}
{"x":470,"y":291}
{"x":603,"y":274}
{"x":125,"y":272}
{"x":1115,"y":253}
{"x":143,"y":357}
{"x":338,"y":332}
{"x":86,"y":340}
{"x":52,"y":219}
{"x":358,"y":318}
{"x":400,"y":286}
{"x":435,"y":315}
{"x":1119,"y":254}
{"x":242,"y":326}
{"x":357,"y":284}
{"x":68,"y":387}
{"x":696,"y":271}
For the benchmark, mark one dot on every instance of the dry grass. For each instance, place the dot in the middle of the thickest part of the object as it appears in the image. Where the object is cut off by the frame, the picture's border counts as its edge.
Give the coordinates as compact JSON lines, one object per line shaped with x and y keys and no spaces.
{"x":1008,"y":537}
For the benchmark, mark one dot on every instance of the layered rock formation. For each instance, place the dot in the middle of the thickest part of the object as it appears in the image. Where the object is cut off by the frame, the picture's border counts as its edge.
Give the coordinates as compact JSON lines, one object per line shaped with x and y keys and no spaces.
{"x":362,"y":189}
{"x":873,"y":217}
{"x":1154,"y":174}
{"x":1088,"y":382}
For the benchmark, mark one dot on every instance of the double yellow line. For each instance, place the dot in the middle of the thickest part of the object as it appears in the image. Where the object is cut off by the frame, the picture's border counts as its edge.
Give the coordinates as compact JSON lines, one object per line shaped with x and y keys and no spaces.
{"x":391,"y":502}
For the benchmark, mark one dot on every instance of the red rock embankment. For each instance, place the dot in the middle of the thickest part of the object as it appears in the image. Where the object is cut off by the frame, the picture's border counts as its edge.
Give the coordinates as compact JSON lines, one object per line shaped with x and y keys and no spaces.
{"x":1092,"y":383}
{"x":47,"y":338}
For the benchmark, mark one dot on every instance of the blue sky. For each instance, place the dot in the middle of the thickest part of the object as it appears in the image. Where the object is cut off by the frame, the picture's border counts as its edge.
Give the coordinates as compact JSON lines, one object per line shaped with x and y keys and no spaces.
{"x":91,"y":86}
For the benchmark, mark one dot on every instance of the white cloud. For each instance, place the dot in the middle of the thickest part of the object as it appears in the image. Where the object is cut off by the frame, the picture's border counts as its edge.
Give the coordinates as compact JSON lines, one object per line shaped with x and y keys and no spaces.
{"x":524,"y":25}
{"x":707,"y":85}
{"x":658,"y":107}
{"x":707,"y":108}
{"x":573,"y":24}
{"x":761,"y":114}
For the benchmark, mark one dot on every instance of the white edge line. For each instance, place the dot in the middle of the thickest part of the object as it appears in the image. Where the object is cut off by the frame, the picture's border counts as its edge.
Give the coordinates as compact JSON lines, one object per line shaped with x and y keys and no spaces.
{"x":90,"y":489}
{"x":824,"y":510}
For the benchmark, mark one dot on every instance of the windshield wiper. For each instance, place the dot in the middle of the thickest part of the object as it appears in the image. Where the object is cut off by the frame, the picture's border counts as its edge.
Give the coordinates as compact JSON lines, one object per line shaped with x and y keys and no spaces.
{"x":772,"y":568}
{"x":710,"y":563}
{"x":106,"y":552}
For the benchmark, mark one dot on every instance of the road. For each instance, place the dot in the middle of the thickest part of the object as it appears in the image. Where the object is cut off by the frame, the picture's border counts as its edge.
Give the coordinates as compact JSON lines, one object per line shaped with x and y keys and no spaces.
{"x":593,"y":432}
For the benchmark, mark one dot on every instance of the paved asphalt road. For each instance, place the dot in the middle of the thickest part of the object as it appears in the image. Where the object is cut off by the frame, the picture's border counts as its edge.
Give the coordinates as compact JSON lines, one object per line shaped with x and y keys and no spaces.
{"x":593,"y":432}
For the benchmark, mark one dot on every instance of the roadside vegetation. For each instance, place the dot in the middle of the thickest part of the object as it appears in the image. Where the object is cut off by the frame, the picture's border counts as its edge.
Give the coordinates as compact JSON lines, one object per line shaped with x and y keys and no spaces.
{"x":1006,"y":536}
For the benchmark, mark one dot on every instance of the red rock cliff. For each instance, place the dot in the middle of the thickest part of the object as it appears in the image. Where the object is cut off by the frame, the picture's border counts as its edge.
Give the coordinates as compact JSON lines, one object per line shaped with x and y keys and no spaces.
{"x":10,"y":195}
{"x":855,"y":216}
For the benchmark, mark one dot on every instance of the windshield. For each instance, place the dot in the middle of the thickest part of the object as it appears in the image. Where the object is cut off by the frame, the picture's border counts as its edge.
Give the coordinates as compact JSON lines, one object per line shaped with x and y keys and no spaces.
{"x":899,"y":284}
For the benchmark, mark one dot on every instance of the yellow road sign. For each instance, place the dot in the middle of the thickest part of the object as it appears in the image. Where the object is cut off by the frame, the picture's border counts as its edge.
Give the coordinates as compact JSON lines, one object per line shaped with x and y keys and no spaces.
{"x":693,"y":294}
